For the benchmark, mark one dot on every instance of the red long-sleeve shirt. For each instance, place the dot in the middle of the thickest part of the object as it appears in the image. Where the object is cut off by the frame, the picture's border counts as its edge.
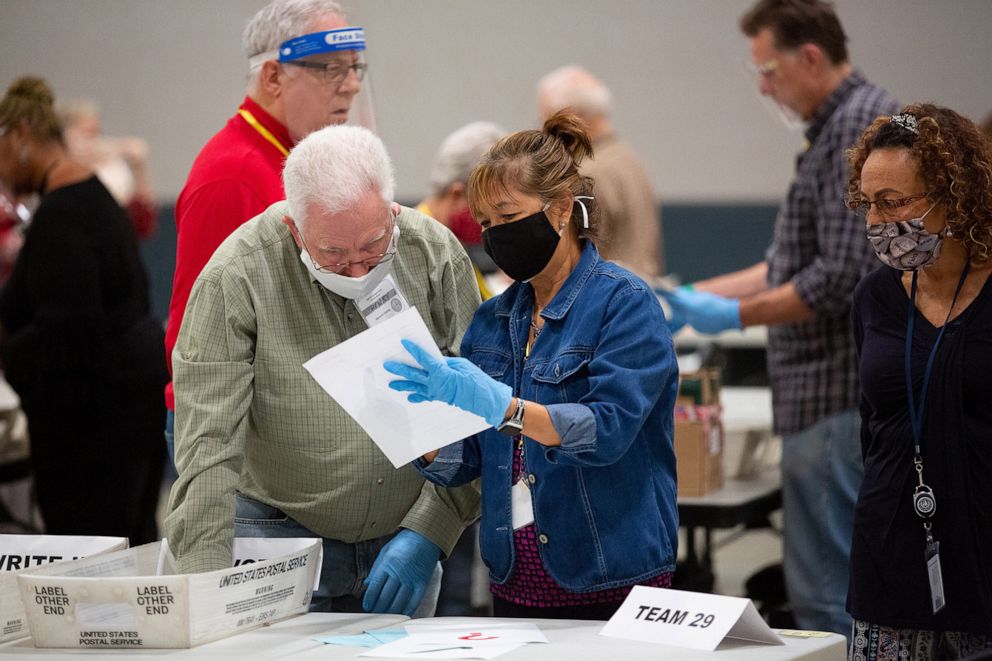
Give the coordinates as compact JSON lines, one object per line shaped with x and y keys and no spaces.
{"x":236,"y":176}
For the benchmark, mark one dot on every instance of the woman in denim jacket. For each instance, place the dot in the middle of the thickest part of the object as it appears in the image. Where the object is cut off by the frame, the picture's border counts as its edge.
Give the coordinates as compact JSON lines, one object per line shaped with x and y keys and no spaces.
{"x":574,"y":368}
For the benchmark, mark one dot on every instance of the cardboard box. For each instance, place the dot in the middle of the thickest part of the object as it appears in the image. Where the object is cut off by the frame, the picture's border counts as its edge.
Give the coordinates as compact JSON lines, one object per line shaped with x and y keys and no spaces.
{"x":699,"y":388}
{"x":698,"y":449}
{"x":133,"y":599}
{"x":23,"y":553}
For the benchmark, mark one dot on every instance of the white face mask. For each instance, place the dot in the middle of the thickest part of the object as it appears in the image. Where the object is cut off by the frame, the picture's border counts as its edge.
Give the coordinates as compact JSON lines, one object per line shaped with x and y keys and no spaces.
{"x":356,"y":287}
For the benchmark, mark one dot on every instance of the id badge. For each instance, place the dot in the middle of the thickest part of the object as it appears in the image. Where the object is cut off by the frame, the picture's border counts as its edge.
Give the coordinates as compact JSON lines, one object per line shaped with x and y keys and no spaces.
{"x":935,"y":577}
{"x":383,"y":302}
{"x":522,"y":509}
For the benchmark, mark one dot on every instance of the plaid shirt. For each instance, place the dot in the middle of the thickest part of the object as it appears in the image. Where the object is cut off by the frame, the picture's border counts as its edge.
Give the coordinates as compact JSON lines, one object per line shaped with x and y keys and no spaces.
{"x":250,"y":418}
{"x":820,"y":246}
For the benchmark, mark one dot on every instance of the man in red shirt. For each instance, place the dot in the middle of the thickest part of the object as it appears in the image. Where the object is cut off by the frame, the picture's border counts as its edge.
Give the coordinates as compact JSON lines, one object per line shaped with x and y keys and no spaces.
{"x":305,"y":70}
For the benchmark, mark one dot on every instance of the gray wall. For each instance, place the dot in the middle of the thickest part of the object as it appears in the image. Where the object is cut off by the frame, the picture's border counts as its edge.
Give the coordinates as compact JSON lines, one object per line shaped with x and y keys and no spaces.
{"x":172,"y":71}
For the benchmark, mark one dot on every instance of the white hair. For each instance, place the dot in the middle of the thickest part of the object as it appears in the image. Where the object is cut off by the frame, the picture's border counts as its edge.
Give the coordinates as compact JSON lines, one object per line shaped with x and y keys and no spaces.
{"x":461,"y":152}
{"x":282,"y":20}
{"x":74,"y":110}
{"x":573,"y":87}
{"x":333,"y":168}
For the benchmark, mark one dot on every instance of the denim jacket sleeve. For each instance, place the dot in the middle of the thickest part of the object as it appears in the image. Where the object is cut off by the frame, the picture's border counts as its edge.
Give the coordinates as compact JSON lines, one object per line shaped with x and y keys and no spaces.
{"x":630,"y":366}
{"x":455,"y":465}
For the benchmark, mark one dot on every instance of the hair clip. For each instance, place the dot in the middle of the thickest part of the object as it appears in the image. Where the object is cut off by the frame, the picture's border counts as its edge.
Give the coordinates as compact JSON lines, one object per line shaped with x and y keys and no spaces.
{"x":907,"y":122}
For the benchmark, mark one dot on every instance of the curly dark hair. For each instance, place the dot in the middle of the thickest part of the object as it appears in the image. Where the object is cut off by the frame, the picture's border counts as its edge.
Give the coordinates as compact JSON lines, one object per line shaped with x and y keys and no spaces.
{"x":955,"y":163}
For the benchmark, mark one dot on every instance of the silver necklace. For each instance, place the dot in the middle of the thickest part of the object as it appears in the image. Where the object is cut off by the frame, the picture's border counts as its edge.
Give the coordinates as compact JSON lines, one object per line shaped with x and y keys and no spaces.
{"x":537,"y":329}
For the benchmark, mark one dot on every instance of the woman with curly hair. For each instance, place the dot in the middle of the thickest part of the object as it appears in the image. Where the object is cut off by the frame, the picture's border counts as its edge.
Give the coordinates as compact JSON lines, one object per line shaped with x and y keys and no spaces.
{"x":921,"y":566}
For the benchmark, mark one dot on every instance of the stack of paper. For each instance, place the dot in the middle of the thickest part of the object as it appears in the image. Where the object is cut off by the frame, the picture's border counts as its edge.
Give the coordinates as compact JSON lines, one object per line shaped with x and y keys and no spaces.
{"x":459,"y":641}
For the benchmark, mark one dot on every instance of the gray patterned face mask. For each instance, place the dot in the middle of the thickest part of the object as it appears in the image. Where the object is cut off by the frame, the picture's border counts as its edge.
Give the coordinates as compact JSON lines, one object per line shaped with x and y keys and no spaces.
{"x":906,"y":244}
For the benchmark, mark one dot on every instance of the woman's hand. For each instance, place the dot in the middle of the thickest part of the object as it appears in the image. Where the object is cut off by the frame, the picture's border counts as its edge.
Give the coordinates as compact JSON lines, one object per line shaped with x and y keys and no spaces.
{"x":454,"y":381}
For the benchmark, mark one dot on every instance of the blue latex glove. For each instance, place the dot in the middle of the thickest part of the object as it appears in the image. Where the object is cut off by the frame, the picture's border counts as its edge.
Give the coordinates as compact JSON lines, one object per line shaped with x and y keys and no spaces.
{"x":455,"y":381}
{"x":400,"y":574}
{"x":674,"y":318}
{"x":706,"y":312}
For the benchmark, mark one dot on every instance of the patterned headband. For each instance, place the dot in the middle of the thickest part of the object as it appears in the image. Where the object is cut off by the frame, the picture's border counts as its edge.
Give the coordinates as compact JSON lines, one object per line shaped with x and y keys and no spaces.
{"x":907,"y":122}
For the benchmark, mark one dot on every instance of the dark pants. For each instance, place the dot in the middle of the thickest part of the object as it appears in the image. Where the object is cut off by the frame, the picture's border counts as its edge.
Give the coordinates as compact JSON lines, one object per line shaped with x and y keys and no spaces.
{"x":98,"y":466}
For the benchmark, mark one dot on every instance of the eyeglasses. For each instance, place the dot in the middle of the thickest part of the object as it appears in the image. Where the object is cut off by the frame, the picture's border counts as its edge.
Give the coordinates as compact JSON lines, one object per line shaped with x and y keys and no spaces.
{"x":885,"y":207}
{"x":368,"y":262}
{"x":333,"y":73}
{"x":766,"y":69}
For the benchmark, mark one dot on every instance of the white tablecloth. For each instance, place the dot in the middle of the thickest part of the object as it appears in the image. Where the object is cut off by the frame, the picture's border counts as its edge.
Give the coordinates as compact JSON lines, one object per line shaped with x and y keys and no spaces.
{"x":570,"y":640}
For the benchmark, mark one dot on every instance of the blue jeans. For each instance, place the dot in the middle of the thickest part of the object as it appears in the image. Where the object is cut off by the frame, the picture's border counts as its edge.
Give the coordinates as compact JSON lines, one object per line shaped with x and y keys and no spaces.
{"x":822,"y":471}
{"x":344,"y":565}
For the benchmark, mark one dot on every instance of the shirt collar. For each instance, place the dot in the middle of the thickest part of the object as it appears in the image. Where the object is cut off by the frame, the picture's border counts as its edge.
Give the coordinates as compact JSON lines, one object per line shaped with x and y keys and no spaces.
{"x":268,"y":121}
{"x":522,"y":295}
{"x":827,"y":108}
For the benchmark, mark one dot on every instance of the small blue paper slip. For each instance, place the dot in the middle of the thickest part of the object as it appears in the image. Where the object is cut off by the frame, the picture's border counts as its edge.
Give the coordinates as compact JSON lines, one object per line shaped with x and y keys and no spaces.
{"x":367,"y":639}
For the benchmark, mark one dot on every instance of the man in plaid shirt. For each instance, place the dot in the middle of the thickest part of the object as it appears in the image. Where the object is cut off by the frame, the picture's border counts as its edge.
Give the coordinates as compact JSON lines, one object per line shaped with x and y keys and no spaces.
{"x":802,"y":291}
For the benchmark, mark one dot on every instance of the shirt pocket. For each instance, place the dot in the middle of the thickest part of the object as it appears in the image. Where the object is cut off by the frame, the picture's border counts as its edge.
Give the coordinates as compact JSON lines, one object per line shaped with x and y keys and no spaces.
{"x":564,"y":378}
{"x":494,"y":363}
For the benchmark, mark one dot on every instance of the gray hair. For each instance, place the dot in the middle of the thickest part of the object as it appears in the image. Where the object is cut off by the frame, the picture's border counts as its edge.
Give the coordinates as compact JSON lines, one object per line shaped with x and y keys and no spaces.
{"x":71,"y":111}
{"x":461,"y":152}
{"x":282,"y":20}
{"x":333,"y":168}
{"x":573,"y":87}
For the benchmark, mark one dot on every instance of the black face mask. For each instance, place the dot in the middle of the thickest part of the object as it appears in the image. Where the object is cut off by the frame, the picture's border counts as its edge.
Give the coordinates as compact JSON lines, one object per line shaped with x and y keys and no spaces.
{"x":522,"y":248}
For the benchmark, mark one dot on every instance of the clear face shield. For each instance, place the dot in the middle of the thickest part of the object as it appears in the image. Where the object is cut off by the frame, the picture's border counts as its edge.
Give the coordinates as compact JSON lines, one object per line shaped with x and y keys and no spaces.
{"x":340,"y":91}
{"x":759,"y":75}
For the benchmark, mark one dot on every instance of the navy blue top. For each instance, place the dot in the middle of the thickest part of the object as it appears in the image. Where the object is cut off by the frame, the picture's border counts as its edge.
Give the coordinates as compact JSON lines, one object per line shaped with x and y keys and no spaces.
{"x":889,"y":583}
{"x":604,"y":366}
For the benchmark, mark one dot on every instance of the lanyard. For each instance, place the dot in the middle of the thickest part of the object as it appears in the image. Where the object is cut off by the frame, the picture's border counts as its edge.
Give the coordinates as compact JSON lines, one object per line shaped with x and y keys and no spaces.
{"x":916,"y":415}
{"x":924,"y":500}
{"x":262,"y":131}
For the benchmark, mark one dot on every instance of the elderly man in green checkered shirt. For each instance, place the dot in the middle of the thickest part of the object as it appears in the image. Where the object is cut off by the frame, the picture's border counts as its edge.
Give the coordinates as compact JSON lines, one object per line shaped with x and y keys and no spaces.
{"x":262,"y":450}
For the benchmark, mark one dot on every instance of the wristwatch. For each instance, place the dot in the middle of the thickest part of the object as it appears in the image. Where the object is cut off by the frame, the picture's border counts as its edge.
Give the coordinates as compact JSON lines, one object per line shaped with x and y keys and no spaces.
{"x":515,"y":423}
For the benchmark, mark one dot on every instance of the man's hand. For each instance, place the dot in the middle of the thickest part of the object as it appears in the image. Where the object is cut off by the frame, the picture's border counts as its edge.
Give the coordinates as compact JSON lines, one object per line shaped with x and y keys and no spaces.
{"x":707,"y":313}
{"x":455,"y":381}
{"x":400,"y":573}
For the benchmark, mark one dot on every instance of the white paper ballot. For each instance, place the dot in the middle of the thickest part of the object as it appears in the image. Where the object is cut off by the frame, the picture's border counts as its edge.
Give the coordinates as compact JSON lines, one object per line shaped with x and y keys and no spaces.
{"x":481,"y":639}
{"x":417,"y":648}
{"x":478,"y":632}
{"x":352,"y":374}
